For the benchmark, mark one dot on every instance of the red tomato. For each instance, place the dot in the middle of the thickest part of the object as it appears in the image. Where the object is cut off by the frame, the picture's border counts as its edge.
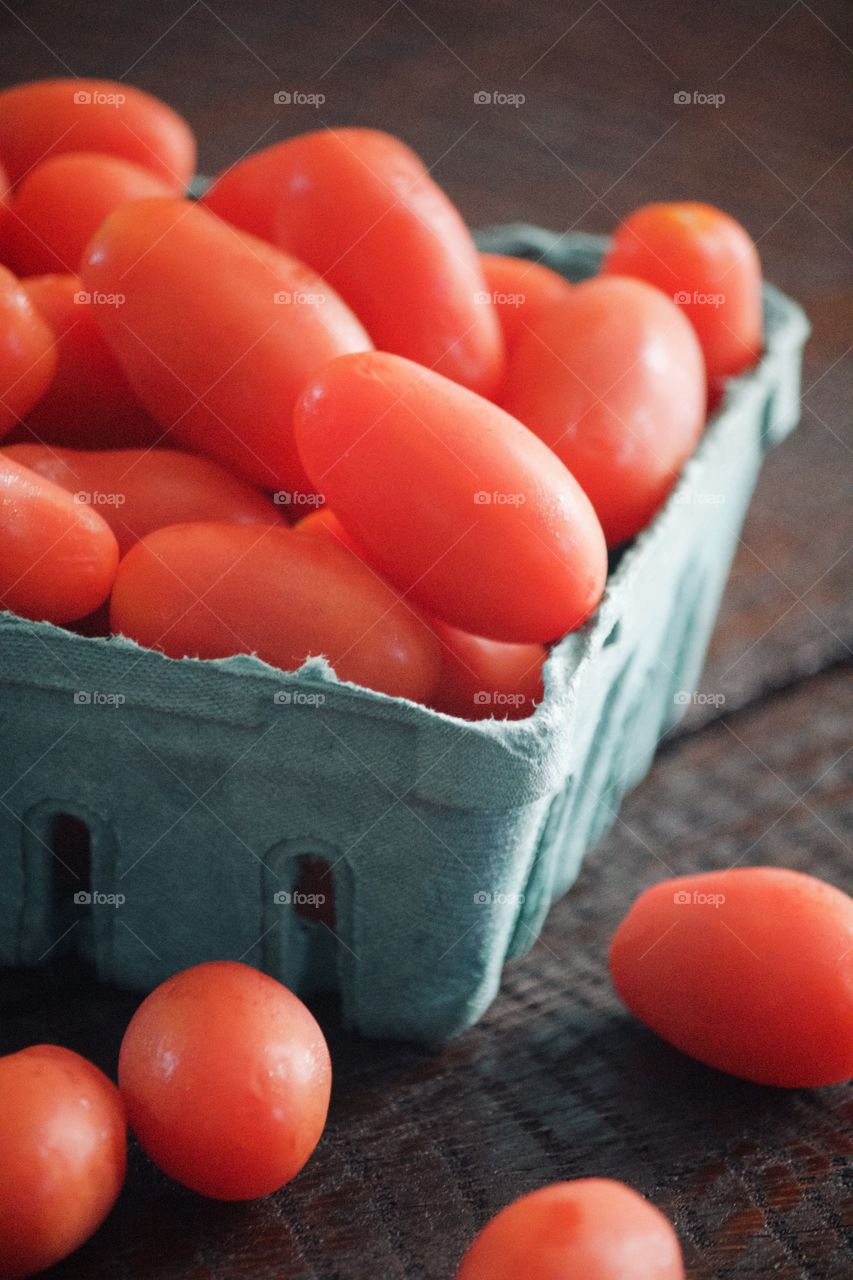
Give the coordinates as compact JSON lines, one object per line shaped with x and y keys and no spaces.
{"x":613,"y":380}
{"x":455,"y":502}
{"x":48,"y":117}
{"x":226,"y":1078}
{"x":592,"y":1229}
{"x":521,"y":291}
{"x":27,"y":353}
{"x":60,"y":204}
{"x":481,"y":678}
{"x":708,"y":264}
{"x":58,"y":557}
{"x":211,"y":590}
{"x":89,"y":404}
{"x":325,"y":521}
{"x":359,"y":207}
{"x":62,"y":1156}
{"x":750,"y":971}
{"x":217,"y":332}
{"x":5,"y":198}
{"x":140,"y":490}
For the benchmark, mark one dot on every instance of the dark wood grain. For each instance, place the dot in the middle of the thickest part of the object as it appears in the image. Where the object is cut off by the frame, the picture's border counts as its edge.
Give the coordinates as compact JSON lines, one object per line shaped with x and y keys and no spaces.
{"x":557,"y":1081}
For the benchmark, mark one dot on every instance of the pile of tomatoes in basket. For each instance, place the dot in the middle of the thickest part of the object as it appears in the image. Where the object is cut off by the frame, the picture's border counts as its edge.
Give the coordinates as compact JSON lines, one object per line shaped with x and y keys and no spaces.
{"x":303,"y":415}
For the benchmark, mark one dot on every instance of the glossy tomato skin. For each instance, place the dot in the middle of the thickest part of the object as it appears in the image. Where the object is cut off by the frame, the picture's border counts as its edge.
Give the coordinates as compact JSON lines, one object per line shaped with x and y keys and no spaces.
{"x":140,"y":490}
{"x":60,"y":204}
{"x":63,"y":1150}
{"x":360,"y":208}
{"x":212,"y":590}
{"x":750,"y":971}
{"x":613,"y":380}
{"x":454,"y":501}
{"x":89,"y":403}
{"x":707,"y":263}
{"x":217,"y":356}
{"x":226,"y":1077}
{"x":58,"y":557}
{"x":592,"y":1228}
{"x":27,"y":353}
{"x":49,"y":117}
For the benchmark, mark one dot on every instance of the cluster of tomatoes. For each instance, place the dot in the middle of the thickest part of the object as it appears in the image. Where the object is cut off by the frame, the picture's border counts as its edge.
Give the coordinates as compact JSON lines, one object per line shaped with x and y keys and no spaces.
{"x":225,"y":1077}
{"x":304,"y":415}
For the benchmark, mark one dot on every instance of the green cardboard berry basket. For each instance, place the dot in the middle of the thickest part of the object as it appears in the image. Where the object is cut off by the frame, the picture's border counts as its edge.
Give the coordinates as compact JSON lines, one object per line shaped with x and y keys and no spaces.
{"x":157,"y":813}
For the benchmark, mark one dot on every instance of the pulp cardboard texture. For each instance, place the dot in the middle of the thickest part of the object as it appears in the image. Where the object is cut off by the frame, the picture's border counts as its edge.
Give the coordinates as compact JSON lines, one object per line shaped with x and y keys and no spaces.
{"x":206,"y":785}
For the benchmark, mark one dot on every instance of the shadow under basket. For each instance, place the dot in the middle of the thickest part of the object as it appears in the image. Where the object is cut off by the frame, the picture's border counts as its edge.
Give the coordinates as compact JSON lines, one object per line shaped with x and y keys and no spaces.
{"x":158,"y":813}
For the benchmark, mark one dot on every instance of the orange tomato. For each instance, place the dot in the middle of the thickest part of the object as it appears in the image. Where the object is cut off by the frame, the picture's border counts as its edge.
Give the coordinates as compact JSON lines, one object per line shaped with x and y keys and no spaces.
{"x":708,"y":264}
{"x":89,"y":403}
{"x":216,"y":331}
{"x":612,"y":379}
{"x":211,"y":590}
{"x":521,"y":291}
{"x":359,"y":207}
{"x":48,"y":117}
{"x":60,"y":204}
{"x":453,"y":500}
{"x":58,"y":557}
{"x":27,"y":353}
{"x":482,"y":678}
{"x":592,"y":1229}
{"x":750,"y":971}
{"x":139,"y":490}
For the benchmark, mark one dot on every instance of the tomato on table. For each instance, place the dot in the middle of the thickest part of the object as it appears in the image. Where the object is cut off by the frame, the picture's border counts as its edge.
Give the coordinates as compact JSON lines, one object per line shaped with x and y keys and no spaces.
{"x":89,"y":403}
{"x":216,"y":331}
{"x":454,"y":501}
{"x":612,"y":379}
{"x":140,"y":490}
{"x":27,"y":353}
{"x":60,"y":204}
{"x":49,"y":117}
{"x":63,"y":1145}
{"x":591,"y":1228}
{"x":226,"y":1078}
{"x":708,"y":264}
{"x":360,"y":208}
{"x":212,"y":590}
{"x":748,"y":970}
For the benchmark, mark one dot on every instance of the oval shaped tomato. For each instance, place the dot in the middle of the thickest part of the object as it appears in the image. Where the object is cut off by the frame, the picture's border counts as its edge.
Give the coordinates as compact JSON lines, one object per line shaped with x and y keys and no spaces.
{"x":520,"y":291}
{"x":63,"y":1147}
{"x":592,"y":1229}
{"x":48,"y":117}
{"x":60,"y":204}
{"x":750,"y":971}
{"x":360,"y":207}
{"x":456,"y":503}
{"x":58,"y":557}
{"x":216,"y":331}
{"x":27,"y":353}
{"x":482,"y":678}
{"x":89,"y":403}
{"x":612,"y":379}
{"x":212,"y":590}
{"x":140,"y":490}
{"x":708,"y":264}
{"x":226,"y":1077}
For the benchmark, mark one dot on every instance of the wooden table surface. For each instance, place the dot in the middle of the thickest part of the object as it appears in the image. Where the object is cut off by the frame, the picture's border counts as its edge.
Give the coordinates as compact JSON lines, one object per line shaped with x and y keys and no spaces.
{"x":557,"y":1081}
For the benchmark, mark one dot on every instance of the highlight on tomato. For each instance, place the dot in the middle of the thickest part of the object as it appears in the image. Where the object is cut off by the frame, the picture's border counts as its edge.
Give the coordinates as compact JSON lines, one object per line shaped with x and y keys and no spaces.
{"x":27,"y":353}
